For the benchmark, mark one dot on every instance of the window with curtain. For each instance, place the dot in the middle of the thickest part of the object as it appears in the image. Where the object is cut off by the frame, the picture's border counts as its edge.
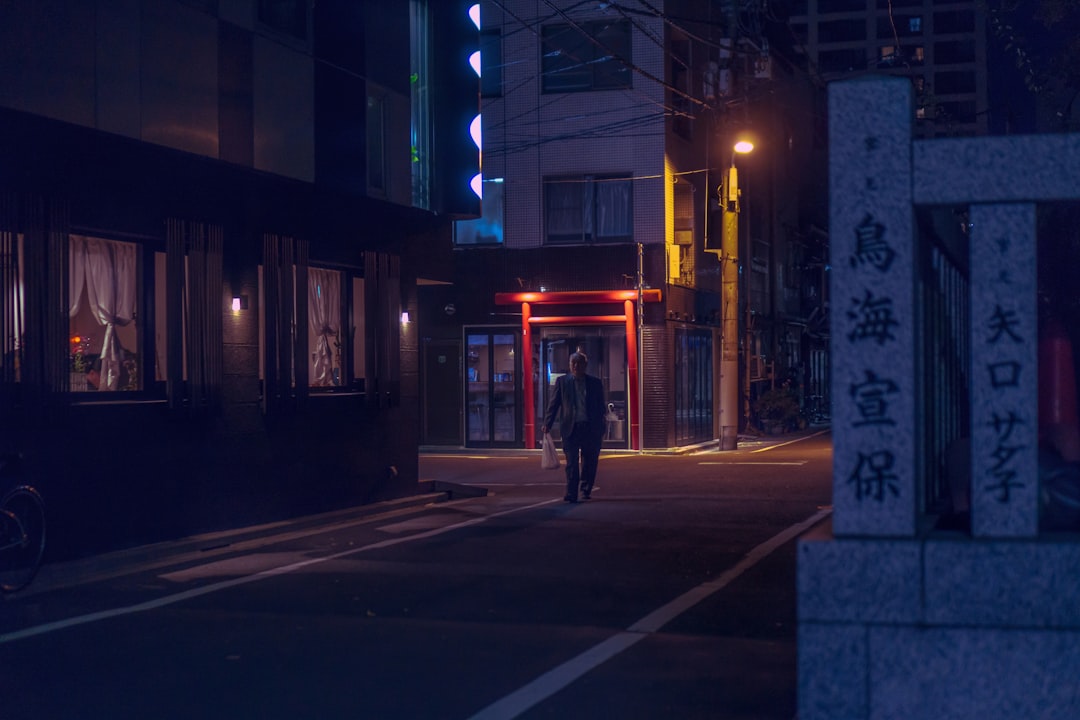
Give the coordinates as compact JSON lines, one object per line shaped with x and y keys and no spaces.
{"x":335,"y":328}
{"x":589,"y":209}
{"x":104,"y":321}
{"x":328,"y":348}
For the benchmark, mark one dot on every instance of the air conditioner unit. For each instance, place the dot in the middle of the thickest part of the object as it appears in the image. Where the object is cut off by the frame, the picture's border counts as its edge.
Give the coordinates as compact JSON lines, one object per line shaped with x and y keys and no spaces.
{"x":684,"y":237}
{"x":757,"y":367}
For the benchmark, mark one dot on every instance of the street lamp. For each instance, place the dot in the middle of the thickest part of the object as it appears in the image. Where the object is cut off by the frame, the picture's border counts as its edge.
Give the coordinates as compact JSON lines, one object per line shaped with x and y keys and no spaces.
{"x":729,"y":339}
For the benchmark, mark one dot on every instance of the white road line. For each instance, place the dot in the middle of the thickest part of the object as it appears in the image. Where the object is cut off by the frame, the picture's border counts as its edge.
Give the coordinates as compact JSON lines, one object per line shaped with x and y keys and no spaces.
{"x":543,"y":687}
{"x":763,"y":462}
{"x":805,"y":437}
{"x":225,"y":584}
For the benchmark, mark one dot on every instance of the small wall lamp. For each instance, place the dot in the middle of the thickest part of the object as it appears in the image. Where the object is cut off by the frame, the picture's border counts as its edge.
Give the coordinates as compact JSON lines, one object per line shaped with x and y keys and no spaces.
{"x":239,"y":302}
{"x":404,"y":317}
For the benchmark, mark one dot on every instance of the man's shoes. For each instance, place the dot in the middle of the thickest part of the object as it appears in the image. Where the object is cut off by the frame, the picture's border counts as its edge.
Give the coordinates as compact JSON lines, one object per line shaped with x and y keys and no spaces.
{"x":570,"y":499}
{"x":587,"y":496}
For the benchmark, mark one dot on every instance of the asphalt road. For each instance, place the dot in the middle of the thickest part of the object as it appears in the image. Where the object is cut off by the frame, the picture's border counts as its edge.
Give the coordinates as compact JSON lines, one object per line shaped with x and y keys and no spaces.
{"x":671,"y":594}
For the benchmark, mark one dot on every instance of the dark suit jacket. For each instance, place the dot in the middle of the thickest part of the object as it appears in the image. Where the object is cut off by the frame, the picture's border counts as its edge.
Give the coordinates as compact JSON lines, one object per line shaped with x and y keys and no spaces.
{"x":562,"y":404}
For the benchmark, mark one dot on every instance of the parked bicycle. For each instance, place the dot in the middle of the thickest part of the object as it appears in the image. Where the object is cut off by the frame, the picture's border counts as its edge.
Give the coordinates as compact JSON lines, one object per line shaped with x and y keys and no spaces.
{"x":22,"y":530}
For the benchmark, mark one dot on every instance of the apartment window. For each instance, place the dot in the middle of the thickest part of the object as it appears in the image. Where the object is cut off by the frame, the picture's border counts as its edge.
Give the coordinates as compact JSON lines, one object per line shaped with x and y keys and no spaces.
{"x":961,"y":112}
{"x":842,"y":60}
{"x":842,"y":30}
{"x":890,"y":56}
{"x":586,"y":56}
{"x":589,"y":209}
{"x":954,"y":82}
{"x":954,"y":51}
{"x":899,"y":26}
{"x":288,"y":17}
{"x":105,"y":321}
{"x":954,"y":21}
{"x":839,"y":6}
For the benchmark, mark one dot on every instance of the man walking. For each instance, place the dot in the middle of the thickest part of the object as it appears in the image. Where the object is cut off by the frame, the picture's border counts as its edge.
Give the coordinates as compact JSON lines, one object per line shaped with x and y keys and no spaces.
{"x":579,"y":402}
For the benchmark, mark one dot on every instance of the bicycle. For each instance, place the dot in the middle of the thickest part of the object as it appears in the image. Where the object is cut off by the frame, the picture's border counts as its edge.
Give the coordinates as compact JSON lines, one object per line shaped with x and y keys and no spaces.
{"x":22,"y":533}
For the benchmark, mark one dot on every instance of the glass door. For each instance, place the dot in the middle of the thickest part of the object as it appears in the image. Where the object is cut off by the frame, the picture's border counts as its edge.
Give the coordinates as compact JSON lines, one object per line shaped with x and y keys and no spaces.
{"x":492,"y":383}
{"x":605,"y":346}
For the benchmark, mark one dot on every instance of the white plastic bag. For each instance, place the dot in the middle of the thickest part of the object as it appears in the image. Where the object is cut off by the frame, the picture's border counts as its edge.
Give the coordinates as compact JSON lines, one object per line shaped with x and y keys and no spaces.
{"x":549,"y":460}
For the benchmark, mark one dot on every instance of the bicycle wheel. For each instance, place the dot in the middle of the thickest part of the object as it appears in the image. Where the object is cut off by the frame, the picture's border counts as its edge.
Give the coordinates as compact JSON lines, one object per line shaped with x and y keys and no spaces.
{"x":19,"y":562}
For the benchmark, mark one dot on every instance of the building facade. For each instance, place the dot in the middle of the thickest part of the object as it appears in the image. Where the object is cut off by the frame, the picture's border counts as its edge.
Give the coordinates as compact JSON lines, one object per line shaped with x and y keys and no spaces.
{"x":940,"y":46}
{"x":214,"y":217}
{"x":606,"y":138}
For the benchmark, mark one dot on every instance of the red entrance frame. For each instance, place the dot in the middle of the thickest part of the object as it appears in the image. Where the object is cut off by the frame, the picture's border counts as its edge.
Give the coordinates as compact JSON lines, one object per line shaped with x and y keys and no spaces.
{"x":583,"y":297}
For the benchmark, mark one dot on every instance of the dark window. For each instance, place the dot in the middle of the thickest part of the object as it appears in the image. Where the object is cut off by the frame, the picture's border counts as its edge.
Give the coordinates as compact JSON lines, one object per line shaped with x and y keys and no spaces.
{"x":841,"y":30}
{"x":376,"y":144}
{"x":954,"y":82}
{"x":589,"y":209}
{"x":680,"y":80}
{"x":590,"y":56}
{"x":842,"y":60}
{"x":838,"y":6}
{"x":962,"y":112}
{"x":955,"y":51}
{"x":899,"y":26}
{"x":954,"y":21}
{"x":891,"y":4}
{"x":491,"y":63}
{"x":289,"y":17}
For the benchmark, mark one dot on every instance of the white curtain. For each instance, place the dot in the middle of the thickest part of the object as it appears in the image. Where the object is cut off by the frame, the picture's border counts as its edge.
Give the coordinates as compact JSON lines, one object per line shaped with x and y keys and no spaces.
{"x":324,"y":319}
{"x":107,"y":270}
{"x":613,"y":209}
{"x":566,"y":213}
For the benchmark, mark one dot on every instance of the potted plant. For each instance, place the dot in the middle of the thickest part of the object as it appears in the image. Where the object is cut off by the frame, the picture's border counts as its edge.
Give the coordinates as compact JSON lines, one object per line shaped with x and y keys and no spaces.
{"x":778,"y":410}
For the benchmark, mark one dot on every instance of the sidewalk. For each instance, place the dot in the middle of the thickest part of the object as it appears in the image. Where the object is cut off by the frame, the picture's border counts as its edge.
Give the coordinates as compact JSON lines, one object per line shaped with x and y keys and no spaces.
{"x":117,"y":563}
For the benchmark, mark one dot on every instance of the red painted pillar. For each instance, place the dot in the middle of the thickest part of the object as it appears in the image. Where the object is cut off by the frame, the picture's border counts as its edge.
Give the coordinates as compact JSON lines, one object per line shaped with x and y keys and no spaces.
{"x":527,"y":378}
{"x":632,"y":373}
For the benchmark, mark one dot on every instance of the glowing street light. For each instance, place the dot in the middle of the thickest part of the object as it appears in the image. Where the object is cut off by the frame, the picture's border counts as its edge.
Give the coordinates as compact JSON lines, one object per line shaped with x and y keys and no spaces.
{"x":742,"y":147}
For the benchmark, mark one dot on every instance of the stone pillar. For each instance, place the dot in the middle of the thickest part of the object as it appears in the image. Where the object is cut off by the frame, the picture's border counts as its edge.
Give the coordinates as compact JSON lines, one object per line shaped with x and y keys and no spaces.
{"x":1004,"y":368}
{"x":872,"y":316}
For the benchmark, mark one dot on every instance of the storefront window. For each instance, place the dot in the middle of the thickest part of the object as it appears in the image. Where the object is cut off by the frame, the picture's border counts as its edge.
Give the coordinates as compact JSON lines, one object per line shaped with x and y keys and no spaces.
{"x":104,"y":320}
{"x":605,"y":346}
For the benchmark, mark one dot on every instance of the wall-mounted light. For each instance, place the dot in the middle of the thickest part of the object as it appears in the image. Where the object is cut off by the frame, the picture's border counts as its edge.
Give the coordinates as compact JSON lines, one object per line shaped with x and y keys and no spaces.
{"x":239,"y":302}
{"x":404,"y":317}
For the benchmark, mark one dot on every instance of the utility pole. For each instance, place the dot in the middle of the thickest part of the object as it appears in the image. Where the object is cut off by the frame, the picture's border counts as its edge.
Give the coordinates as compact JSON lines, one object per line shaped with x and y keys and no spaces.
{"x":729,"y":328}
